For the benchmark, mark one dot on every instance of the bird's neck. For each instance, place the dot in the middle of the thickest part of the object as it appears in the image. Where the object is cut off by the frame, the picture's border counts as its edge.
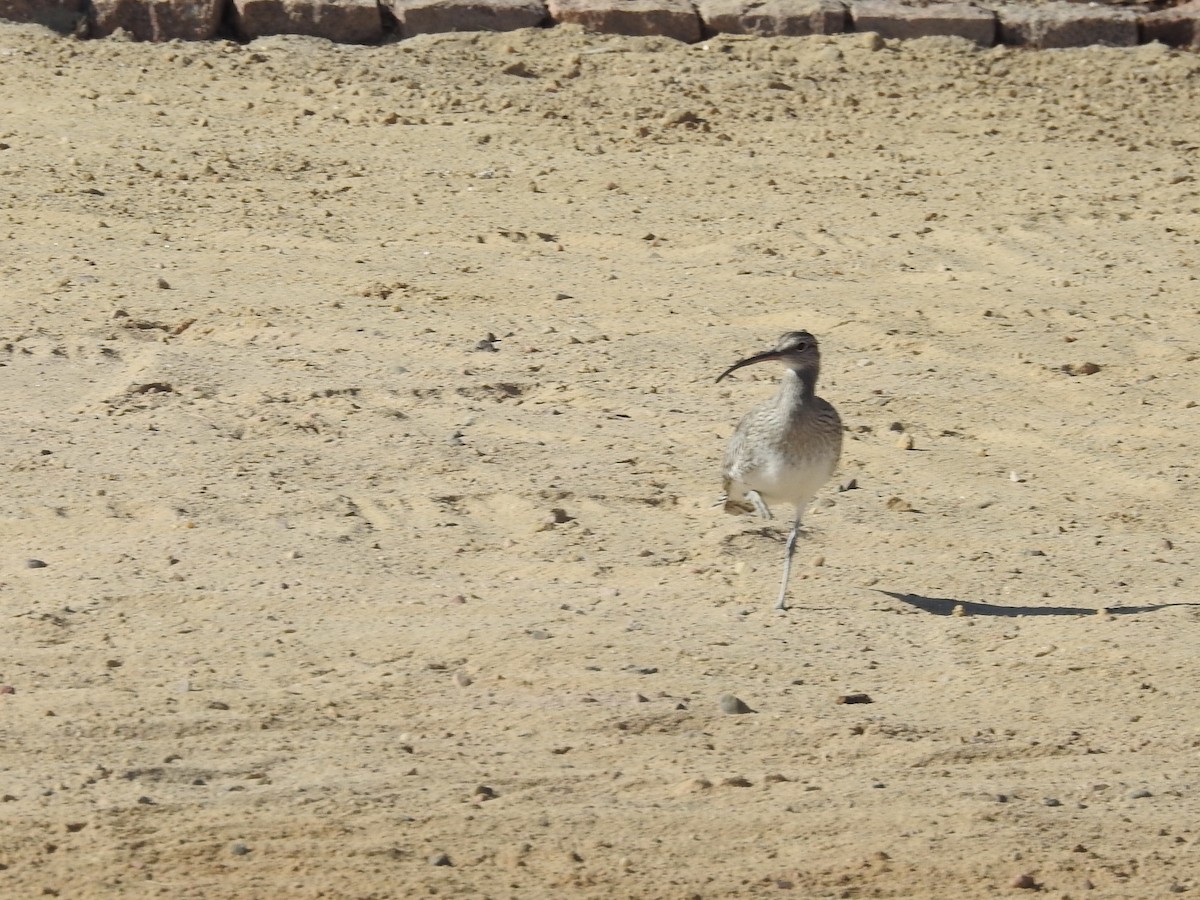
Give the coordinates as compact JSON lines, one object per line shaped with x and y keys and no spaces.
{"x":799,"y":386}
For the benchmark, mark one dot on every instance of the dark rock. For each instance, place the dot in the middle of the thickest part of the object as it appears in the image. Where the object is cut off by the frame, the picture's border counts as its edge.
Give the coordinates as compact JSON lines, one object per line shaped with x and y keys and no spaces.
{"x":1056,"y":24}
{"x":891,"y":19}
{"x":771,"y":18}
{"x":436,"y":16}
{"x":666,"y":18}
{"x":343,"y":21}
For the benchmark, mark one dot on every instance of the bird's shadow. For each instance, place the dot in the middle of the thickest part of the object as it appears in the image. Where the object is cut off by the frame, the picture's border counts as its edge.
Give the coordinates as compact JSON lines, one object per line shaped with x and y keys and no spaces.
{"x":945,"y":606}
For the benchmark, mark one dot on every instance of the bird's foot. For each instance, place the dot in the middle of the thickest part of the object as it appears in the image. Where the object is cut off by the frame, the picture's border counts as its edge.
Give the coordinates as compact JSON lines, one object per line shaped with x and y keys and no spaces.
{"x":760,"y":507}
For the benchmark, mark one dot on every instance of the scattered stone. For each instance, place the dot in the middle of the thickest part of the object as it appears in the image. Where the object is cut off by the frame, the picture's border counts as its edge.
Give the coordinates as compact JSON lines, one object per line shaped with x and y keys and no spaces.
{"x":959,"y":611}
{"x":692,"y":786}
{"x":462,"y":679}
{"x":733,"y":705}
{"x":1140,"y":794}
{"x":1025,"y":882}
{"x":1051,"y":801}
{"x":855,"y":698}
{"x":538,"y":634}
{"x":35,"y":564}
{"x":440,"y":859}
{"x":162,"y":284}
{"x":899,"y":504}
{"x":1077,"y":369}
{"x":218,"y":704}
{"x":113,"y":663}
{"x":906,"y":442}
{"x":639,"y":698}
{"x":7,"y":689}
{"x":483,"y":792}
{"x":519,"y":70}
{"x":735,"y":781}
{"x":850,"y":484}
{"x":237,"y":848}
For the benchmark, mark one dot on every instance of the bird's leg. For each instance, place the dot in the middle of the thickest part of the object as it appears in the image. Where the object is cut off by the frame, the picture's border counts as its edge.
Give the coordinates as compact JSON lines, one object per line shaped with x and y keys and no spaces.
{"x":760,"y":507}
{"x":781,"y":604}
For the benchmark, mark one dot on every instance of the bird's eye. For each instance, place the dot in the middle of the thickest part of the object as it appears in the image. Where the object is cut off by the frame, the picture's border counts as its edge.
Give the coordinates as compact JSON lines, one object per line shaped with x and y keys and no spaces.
{"x":802,"y":346}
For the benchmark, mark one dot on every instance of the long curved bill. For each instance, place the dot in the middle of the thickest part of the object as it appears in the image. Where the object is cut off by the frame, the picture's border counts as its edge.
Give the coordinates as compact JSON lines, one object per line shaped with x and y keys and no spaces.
{"x":757,"y":358}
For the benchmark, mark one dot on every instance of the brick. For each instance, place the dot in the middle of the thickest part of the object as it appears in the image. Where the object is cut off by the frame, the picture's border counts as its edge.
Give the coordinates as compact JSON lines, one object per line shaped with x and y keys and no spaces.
{"x":1056,"y":25}
{"x":667,"y":18}
{"x":1178,"y":27}
{"x":65,"y":16}
{"x":157,"y":20}
{"x":770,"y":18}
{"x":437,"y":16}
{"x":890,"y":19}
{"x":344,"y":21}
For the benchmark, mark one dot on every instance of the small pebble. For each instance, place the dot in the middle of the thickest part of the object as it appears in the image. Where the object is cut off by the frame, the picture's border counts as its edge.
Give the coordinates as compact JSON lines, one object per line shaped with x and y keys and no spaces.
{"x":849,"y":484}
{"x":959,"y":611}
{"x":906,"y":442}
{"x":237,"y":848}
{"x":163,"y":284}
{"x":899,"y":504}
{"x":733,"y":705}
{"x":639,"y":698}
{"x":855,"y":698}
{"x":462,"y":679}
{"x":34,"y":564}
{"x":1051,"y":801}
{"x":1025,"y":882}
{"x":440,"y":859}
{"x":1140,"y":794}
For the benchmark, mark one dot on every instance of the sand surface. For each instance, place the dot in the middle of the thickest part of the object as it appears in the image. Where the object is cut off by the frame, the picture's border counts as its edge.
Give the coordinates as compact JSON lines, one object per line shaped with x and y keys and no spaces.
{"x":329,"y":592}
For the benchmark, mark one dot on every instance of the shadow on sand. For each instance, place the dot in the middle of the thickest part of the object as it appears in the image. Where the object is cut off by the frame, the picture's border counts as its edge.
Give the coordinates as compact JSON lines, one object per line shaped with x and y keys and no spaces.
{"x":944,"y":606}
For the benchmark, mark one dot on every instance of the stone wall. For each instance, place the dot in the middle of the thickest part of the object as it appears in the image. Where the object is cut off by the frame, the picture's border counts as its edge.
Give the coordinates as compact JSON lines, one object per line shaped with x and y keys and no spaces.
{"x":1051,"y":24}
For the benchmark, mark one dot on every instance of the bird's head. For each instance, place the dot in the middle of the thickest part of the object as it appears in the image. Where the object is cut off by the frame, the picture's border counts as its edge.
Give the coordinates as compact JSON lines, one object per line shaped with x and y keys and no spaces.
{"x":797,"y":350}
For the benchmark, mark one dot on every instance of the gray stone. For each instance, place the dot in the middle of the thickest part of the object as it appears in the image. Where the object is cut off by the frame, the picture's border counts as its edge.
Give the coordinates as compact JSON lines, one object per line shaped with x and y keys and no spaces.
{"x":1056,"y":25}
{"x":158,"y":20}
{"x":1178,"y":27}
{"x":890,"y":19}
{"x":641,"y":18}
{"x":343,"y":21}
{"x":437,"y":16}
{"x":770,"y":18}
{"x":733,"y":705}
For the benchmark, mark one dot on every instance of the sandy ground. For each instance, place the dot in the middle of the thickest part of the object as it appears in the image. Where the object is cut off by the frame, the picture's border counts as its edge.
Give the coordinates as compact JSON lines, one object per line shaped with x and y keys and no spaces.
{"x":331,"y":596}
